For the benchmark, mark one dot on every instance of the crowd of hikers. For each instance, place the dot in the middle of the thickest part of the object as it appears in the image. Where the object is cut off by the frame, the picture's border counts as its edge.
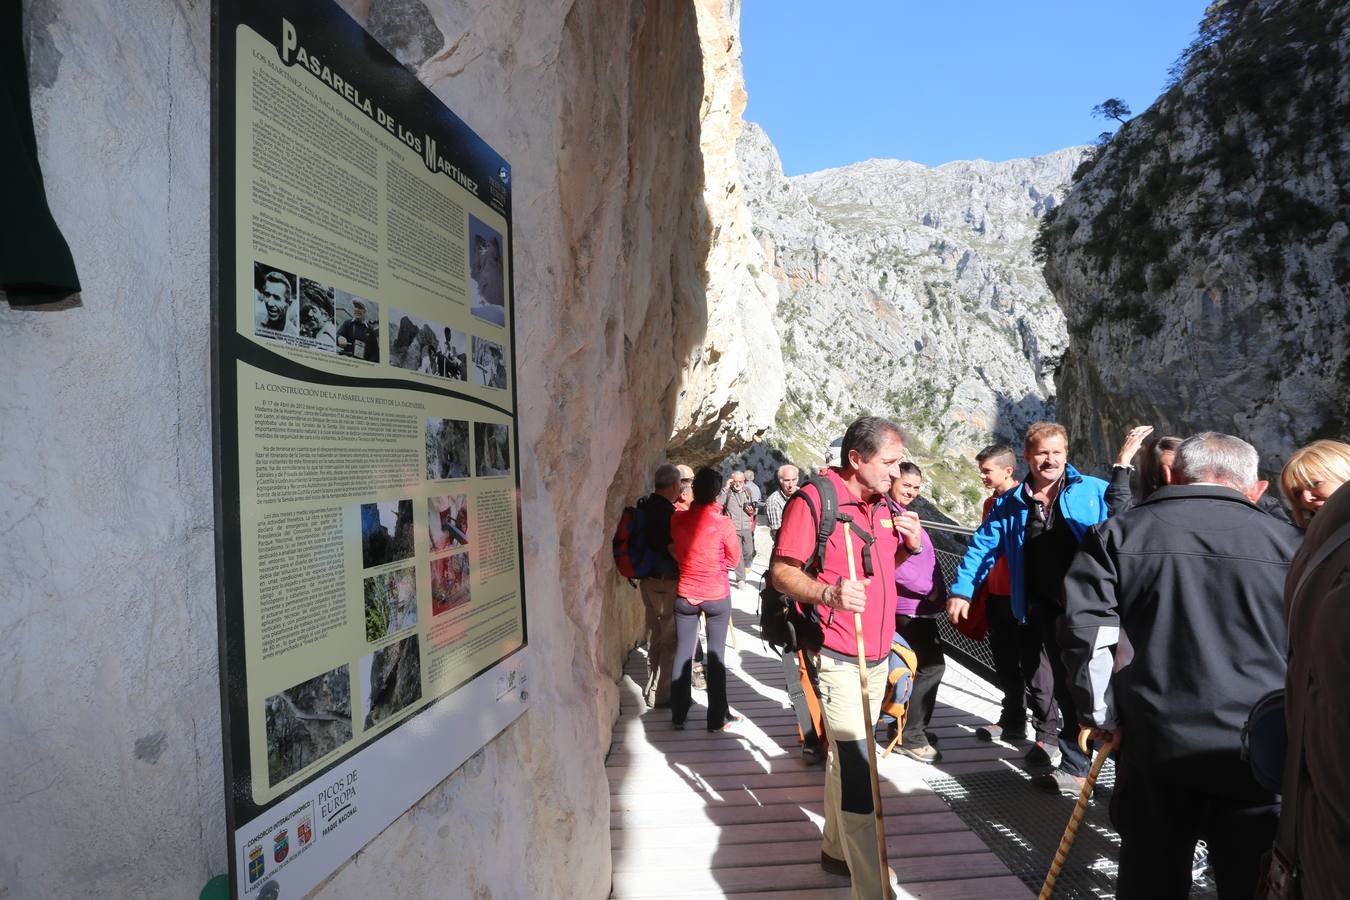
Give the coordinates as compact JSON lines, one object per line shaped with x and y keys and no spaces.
{"x":1172,"y":616}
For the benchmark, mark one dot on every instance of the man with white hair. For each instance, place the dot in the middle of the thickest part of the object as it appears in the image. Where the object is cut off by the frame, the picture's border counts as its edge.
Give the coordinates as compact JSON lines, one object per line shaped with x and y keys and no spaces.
{"x":1193,"y":577}
{"x":788,"y":476}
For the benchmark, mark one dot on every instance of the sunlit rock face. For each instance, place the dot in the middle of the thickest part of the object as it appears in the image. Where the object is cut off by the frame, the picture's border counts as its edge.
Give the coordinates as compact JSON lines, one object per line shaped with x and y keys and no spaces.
{"x":1203,"y":261}
{"x":733,"y":383}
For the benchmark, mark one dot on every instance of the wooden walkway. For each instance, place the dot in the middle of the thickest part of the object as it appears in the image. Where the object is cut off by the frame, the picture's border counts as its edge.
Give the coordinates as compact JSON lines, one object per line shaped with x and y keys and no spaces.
{"x":738,"y":814}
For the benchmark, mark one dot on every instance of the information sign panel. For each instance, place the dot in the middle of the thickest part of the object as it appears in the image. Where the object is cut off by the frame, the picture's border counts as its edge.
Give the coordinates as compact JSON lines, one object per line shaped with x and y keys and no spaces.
{"x":372,"y":609}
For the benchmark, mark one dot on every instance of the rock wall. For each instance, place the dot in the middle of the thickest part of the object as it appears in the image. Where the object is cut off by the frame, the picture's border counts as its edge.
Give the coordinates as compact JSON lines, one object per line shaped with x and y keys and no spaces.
{"x":1203,"y":261}
{"x":111,"y":745}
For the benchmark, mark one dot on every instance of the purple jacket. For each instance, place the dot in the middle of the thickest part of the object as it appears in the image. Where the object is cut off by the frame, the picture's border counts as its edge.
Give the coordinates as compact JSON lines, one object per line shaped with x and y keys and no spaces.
{"x":915,"y":579}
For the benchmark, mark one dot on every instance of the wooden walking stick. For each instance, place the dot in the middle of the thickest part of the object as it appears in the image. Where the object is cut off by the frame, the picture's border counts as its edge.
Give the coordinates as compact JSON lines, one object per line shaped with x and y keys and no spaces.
{"x":1079,"y":808}
{"x":867,"y":711}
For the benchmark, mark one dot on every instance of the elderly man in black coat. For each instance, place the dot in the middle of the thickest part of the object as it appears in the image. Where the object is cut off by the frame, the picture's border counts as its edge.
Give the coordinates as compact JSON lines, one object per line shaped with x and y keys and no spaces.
{"x":1174,"y":627}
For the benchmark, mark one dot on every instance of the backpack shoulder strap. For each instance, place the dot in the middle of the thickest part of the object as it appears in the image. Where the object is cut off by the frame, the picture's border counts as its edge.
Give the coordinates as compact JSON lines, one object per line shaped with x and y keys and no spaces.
{"x":825,"y":522}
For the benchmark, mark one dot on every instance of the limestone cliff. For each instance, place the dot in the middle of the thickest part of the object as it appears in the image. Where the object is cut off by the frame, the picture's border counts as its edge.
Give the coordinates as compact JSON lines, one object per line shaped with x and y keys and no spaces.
{"x":1203,"y":261}
{"x":733,"y":383}
{"x":911,"y":292}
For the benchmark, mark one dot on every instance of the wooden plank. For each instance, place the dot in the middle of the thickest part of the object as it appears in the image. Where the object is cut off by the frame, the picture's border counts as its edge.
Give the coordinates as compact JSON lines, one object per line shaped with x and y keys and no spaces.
{"x":955,"y":845}
{"x":670,"y":781}
{"x":796,"y":794}
{"x":656,"y":837}
{"x":746,"y":813}
{"x":674,"y":880}
{"x":997,"y":887}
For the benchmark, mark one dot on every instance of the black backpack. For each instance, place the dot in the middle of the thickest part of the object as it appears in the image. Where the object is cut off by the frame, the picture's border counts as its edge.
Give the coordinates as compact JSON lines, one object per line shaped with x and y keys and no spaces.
{"x":784,"y":625}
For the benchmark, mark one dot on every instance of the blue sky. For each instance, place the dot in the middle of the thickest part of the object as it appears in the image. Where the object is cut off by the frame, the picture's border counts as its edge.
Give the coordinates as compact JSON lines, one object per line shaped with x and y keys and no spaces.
{"x":933,"y":82}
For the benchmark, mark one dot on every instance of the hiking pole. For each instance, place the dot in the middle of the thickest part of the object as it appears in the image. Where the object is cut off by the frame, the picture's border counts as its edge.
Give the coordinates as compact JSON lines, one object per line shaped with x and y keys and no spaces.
{"x":867,"y":710}
{"x":1071,"y":830}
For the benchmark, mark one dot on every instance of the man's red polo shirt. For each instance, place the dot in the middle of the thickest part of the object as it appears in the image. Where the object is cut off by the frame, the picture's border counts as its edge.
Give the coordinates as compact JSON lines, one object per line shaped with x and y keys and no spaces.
{"x":797,"y":541}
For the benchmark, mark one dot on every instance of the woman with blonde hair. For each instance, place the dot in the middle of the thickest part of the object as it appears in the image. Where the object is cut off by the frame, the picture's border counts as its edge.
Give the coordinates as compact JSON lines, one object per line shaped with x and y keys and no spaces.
{"x":1312,"y":475}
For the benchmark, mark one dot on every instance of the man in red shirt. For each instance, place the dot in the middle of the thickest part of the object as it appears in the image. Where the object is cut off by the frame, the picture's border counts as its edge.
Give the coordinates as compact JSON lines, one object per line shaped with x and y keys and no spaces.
{"x":870,"y":460}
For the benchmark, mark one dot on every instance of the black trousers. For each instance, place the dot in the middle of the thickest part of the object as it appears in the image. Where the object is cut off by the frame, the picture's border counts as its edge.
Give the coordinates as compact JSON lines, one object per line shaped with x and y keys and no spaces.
{"x":1160,"y":820}
{"x":1023,"y":671}
{"x":718,"y":613}
{"x":922,"y":637}
{"x":1048,"y":620}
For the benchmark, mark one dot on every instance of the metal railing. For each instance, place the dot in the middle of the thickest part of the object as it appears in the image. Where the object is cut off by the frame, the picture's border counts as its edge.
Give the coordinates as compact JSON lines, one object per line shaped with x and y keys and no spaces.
{"x":974,"y":655}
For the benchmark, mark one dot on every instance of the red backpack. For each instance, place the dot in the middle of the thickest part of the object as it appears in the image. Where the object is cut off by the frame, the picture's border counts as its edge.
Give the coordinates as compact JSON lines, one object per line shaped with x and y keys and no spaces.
{"x":619,"y":545}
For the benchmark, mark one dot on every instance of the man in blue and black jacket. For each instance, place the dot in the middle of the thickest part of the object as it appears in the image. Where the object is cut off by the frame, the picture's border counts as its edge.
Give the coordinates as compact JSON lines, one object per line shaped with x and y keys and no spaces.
{"x":1037,"y":527}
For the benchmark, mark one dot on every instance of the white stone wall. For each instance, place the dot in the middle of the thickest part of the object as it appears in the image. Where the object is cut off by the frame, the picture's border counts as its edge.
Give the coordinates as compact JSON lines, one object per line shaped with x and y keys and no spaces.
{"x":110,"y":779}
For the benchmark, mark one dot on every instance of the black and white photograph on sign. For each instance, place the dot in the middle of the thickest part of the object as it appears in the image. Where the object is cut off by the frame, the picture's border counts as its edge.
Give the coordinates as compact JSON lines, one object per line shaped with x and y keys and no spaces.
{"x":489,"y":363}
{"x":391,"y":679}
{"x":487,"y":292}
{"x":448,"y":521}
{"x":358,"y":326}
{"x":275,"y":310}
{"x":449,"y":582}
{"x":317,"y":316}
{"x":420,"y":345}
{"x":386,"y":532}
{"x":447,"y":449}
{"x":492,"y":448}
{"x":307,"y":722}
{"x":457,"y":360}
{"x":391,"y":602}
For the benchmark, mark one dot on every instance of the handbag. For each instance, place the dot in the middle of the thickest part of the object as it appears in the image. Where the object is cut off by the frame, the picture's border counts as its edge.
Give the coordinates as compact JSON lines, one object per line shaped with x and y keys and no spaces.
{"x":1265,"y":740}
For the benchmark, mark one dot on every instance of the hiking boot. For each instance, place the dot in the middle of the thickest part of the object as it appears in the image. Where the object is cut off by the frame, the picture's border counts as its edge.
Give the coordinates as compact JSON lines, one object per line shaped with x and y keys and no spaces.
{"x":932,"y":738}
{"x":1059,"y":782}
{"x":731,"y":719}
{"x":812,"y":755}
{"x":1003,"y":733}
{"x":834,"y":866}
{"x":1040,"y":758}
{"x":924,"y":753}
{"x":700,"y":680}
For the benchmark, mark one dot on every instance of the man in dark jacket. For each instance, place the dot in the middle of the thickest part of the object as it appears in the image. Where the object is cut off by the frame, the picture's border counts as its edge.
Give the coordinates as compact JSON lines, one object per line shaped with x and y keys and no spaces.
{"x":356,"y":337}
{"x":1193,"y":576}
{"x":658,"y":588}
{"x":1315,"y":821}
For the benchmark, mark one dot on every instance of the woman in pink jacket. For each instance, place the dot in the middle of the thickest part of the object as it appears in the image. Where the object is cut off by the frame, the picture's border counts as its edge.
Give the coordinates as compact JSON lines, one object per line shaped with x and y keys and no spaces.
{"x":704,"y":543}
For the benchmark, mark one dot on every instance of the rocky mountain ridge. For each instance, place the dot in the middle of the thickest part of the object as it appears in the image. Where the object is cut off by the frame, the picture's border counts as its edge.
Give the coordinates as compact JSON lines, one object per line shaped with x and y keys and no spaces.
{"x":1203,"y":259}
{"x":912,"y":292}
